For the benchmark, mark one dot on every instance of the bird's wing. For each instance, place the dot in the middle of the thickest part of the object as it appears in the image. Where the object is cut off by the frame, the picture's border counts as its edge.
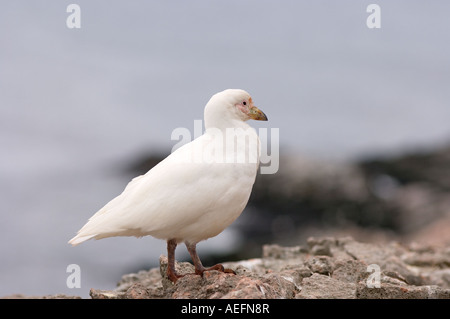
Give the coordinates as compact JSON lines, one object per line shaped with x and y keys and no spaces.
{"x":174,"y":193}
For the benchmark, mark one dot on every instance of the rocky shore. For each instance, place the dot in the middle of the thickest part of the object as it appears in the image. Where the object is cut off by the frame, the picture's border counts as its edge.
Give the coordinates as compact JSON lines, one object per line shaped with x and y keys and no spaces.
{"x":328,"y":268}
{"x":339,"y":268}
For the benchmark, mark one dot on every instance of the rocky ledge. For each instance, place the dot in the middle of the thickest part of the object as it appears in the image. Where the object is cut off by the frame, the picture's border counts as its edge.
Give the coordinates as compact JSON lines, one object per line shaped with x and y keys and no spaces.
{"x":323,"y":268}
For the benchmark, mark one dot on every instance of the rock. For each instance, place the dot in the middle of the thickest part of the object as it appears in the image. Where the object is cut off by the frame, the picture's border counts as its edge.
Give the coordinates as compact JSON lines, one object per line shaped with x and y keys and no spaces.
{"x":276,"y":251}
{"x":321,"y":247}
{"x":325,"y":287}
{"x":393,"y":291}
{"x":348,"y":270}
{"x":433,"y":259}
{"x":106,"y":294}
{"x":439,"y":277}
{"x":325,"y":268}
{"x":320,"y":264}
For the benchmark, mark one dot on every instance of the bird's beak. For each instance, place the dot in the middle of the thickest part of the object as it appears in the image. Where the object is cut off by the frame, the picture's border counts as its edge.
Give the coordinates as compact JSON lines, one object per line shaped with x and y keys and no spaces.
{"x":257,"y":114}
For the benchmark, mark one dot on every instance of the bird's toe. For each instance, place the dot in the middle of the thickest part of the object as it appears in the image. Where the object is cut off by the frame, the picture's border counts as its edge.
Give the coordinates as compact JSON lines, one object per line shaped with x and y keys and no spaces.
{"x":221,"y":268}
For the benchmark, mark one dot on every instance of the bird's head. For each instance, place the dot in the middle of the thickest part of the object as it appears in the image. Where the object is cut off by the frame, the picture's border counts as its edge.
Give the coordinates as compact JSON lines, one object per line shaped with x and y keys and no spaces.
{"x":233,"y":104}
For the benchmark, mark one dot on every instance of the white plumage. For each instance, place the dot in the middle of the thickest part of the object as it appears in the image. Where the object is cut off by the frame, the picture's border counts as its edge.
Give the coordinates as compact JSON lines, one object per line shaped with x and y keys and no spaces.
{"x":197,"y":191}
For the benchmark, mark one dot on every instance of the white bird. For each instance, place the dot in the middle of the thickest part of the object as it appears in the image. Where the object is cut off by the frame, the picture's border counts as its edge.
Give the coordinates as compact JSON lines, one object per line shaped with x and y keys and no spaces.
{"x":194,"y":193}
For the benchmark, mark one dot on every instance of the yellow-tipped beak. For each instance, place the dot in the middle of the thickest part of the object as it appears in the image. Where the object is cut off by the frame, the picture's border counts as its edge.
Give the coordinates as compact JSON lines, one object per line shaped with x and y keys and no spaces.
{"x":257,"y":114}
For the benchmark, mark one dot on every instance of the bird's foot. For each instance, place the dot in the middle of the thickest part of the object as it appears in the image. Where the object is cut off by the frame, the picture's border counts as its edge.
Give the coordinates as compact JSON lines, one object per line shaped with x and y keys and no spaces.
{"x":218,"y":267}
{"x":173,"y":275}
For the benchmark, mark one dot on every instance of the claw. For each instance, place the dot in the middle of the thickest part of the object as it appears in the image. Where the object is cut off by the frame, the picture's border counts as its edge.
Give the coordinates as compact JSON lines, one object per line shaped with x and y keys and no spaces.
{"x":229,"y":271}
{"x":218,"y":267}
{"x":173,"y":276}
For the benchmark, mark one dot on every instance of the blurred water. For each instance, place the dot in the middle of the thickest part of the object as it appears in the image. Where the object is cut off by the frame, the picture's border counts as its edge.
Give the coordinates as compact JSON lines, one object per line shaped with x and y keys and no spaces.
{"x":76,"y":106}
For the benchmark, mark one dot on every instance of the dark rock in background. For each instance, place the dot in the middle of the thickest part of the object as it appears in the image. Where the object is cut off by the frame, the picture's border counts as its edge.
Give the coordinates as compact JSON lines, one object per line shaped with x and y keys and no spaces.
{"x":417,"y":187}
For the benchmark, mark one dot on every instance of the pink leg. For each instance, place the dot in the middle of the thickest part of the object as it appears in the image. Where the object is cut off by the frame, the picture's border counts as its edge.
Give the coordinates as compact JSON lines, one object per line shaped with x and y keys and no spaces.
{"x":199,"y":269}
{"x":171,"y":273}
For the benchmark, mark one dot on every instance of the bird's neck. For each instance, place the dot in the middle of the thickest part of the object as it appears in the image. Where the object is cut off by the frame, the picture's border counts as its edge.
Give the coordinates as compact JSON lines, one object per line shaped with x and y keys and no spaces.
{"x":223,"y":125}
{"x":233,"y":142}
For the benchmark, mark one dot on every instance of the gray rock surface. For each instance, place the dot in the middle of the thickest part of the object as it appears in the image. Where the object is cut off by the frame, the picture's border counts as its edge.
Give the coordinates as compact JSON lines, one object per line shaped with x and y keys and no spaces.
{"x":338,"y":268}
{"x":327,"y":267}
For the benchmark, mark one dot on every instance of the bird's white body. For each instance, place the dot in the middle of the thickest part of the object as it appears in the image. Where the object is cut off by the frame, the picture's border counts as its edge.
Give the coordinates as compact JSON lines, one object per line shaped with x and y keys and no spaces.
{"x":191,"y":195}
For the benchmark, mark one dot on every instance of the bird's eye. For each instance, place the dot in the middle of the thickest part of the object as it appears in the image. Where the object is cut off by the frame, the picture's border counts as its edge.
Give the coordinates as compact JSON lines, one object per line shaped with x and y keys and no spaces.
{"x":245,"y":103}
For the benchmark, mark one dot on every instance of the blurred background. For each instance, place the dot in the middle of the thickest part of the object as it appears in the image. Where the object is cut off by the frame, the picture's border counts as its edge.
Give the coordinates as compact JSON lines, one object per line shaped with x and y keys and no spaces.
{"x":363,"y":117}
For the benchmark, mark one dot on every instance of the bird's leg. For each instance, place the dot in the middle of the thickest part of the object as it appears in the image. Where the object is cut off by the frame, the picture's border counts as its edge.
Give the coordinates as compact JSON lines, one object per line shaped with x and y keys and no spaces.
{"x":171,"y":273}
{"x":199,"y":269}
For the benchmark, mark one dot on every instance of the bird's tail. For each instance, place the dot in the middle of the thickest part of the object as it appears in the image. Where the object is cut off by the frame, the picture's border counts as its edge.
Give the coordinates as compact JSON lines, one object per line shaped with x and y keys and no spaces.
{"x":78,"y":239}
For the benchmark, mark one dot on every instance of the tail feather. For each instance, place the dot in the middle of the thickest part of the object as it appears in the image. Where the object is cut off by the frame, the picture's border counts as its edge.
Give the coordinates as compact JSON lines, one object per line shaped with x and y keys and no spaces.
{"x":79,"y":239}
